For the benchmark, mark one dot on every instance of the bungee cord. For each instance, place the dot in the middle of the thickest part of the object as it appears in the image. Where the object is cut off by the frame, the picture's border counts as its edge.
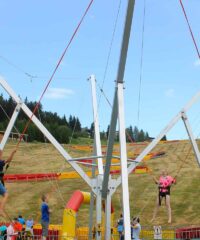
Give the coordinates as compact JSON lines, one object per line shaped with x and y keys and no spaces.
{"x":54,"y":72}
{"x":190,"y":29}
{"x":31,"y":76}
{"x":108,"y":56}
{"x":141,"y":64}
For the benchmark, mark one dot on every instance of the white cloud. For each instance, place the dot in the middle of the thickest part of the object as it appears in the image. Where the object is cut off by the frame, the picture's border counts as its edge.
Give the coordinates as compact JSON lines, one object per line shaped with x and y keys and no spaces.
{"x":197,"y":63}
{"x":169,"y":93}
{"x":58,"y":93}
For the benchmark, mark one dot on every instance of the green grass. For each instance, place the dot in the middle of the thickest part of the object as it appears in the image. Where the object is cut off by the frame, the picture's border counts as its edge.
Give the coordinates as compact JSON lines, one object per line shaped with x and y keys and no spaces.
{"x":24,"y":198}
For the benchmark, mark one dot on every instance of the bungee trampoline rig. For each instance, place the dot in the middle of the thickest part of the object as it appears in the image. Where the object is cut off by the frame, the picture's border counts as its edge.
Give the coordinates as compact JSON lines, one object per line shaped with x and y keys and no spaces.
{"x":102,"y":185}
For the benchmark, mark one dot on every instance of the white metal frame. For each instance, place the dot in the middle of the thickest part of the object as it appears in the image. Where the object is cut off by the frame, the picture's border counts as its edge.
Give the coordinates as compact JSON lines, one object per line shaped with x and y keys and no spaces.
{"x":10,"y":126}
{"x":170,"y":125}
{"x":42,"y":128}
{"x":97,"y":152}
{"x":103,"y":186}
{"x":97,"y":139}
{"x":118,"y":113}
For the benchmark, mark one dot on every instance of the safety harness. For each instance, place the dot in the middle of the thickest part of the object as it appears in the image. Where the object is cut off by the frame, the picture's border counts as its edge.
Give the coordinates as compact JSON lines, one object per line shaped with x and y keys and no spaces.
{"x":164,"y":187}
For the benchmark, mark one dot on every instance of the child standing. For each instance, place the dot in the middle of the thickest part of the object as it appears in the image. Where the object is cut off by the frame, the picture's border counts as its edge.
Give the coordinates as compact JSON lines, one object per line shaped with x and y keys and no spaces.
{"x":45,"y":212}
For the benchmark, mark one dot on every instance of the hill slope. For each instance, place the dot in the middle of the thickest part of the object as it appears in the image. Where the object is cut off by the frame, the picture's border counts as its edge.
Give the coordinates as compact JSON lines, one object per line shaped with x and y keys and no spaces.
{"x":24,"y":198}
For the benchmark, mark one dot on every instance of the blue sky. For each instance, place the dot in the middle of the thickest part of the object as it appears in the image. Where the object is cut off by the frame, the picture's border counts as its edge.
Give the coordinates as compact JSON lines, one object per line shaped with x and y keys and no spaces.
{"x":34,"y":34}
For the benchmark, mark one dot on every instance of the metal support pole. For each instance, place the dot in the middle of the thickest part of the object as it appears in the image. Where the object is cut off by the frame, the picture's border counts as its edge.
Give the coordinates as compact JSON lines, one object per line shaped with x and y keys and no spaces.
{"x":97,"y":152}
{"x":10,"y":126}
{"x":110,"y":144}
{"x":92,"y":201}
{"x":108,"y":217}
{"x":96,"y":124}
{"x":191,"y":137}
{"x":85,"y":158}
{"x":124,"y":172}
{"x":120,"y":77}
{"x":98,"y":208}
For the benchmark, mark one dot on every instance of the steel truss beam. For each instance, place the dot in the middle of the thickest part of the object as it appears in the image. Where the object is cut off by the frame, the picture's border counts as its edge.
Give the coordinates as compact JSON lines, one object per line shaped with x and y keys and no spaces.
{"x":97,"y":152}
{"x":10,"y":126}
{"x":170,"y":125}
{"x":118,"y":113}
{"x":46,"y":133}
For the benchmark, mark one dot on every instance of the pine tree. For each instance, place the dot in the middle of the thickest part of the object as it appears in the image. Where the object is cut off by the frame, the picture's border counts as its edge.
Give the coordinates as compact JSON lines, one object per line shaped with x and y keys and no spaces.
{"x":129,"y":134}
{"x":78,"y":125}
{"x":141,"y":136}
{"x":135,"y":134}
{"x":146,"y":137}
{"x":107,"y":132}
{"x":164,"y":138}
{"x":92,"y":130}
{"x":71,"y":122}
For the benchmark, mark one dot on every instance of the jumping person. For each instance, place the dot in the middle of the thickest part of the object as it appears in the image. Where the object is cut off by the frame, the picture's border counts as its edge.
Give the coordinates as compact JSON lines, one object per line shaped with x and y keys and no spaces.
{"x":4,"y":164}
{"x":164,"y":183}
{"x":45,"y":212}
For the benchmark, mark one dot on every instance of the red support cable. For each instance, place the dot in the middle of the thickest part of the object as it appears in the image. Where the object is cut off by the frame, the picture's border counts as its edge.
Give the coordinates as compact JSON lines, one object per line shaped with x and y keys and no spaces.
{"x":59,"y":62}
{"x":190,"y":29}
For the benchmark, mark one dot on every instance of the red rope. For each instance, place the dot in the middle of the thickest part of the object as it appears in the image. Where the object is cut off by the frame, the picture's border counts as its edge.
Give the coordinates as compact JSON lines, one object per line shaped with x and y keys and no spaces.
{"x":192,"y":35}
{"x":60,"y":60}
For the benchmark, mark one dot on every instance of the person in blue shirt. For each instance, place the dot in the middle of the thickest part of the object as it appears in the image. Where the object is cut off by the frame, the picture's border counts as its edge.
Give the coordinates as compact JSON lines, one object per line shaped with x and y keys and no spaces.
{"x":4,"y":164}
{"x":21,"y":219}
{"x":29,"y":226}
{"x":120,"y":227}
{"x":135,"y":228}
{"x":45,"y":212}
{"x":3,"y":232}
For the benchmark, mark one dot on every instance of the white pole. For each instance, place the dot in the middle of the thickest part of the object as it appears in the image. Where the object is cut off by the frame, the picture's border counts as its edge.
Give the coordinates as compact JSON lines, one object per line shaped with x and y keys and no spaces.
{"x":124,"y":172}
{"x":191,"y":137}
{"x":10,"y":126}
{"x":96,"y":124}
{"x":98,"y":152}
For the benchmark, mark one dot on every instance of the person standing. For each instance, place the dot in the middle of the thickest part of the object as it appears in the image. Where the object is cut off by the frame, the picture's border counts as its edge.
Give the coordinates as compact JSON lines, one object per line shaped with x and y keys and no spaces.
{"x":29,"y":225}
{"x":4,"y":164}
{"x":21,"y":220}
{"x":120,"y":227}
{"x":135,"y":228}
{"x":45,"y":212}
{"x":11,"y":232}
{"x":3,"y":232}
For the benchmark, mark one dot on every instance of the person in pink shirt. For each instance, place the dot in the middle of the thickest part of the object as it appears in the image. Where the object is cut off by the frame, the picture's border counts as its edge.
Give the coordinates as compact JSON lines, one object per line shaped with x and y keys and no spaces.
{"x":164,"y":184}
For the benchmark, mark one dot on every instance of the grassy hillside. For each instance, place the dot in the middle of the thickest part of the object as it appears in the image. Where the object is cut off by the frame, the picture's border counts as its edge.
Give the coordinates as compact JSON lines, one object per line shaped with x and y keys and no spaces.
{"x":24,"y":198}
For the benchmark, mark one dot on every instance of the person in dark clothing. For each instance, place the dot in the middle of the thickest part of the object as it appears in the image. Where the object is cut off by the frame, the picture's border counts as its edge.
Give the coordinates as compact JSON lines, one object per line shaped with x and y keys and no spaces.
{"x":4,"y":164}
{"x":45,"y":212}
{"x":120,"y":227}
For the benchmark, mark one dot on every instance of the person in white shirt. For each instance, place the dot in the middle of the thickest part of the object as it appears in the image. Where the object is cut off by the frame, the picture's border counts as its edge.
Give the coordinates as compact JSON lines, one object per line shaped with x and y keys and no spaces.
{"x":10,"y":232}
{"x":135,"y":228}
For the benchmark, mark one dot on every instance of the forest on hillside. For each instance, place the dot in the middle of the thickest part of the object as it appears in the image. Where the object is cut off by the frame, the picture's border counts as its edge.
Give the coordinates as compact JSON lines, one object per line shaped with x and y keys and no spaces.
{"x":62,"y":128}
